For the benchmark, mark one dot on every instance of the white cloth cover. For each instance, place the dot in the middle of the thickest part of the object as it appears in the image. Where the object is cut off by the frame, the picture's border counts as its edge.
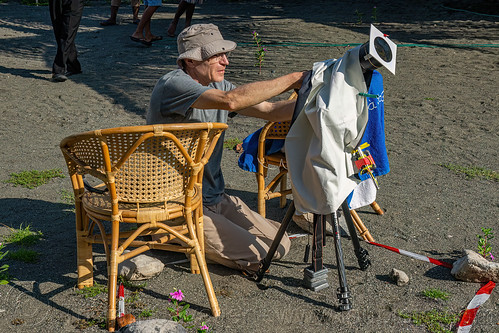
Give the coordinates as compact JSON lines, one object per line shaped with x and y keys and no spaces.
{"x":328,"y":128}
{"x":363,"y":194}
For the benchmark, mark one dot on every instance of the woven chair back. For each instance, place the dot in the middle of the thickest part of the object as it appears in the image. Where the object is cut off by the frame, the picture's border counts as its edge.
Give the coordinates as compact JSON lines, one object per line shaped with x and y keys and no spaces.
{"x":147,"y":164}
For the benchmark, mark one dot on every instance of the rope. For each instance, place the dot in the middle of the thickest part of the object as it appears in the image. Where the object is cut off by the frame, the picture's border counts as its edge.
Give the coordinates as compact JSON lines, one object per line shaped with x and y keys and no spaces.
{"x":309,"y":44}
{"x":467,"y":11}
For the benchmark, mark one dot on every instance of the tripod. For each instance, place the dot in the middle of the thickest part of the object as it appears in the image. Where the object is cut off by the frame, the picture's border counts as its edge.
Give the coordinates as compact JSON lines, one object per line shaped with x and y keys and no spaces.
{"x":316,"y":274}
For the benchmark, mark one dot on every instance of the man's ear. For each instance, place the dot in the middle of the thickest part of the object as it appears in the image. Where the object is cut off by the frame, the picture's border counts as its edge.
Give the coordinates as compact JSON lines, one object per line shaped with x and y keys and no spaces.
{"x":188,"y":63}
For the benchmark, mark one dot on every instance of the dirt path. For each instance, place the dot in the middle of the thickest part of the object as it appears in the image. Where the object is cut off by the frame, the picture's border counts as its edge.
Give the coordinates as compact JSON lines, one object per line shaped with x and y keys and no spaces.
{"x":440,"y":108}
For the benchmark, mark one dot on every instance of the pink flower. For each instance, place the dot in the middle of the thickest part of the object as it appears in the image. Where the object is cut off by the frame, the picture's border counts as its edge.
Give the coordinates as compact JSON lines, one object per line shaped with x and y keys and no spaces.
{"x":492,"y":257}
{"x":177,"y":295}
{"x":204,"y":328}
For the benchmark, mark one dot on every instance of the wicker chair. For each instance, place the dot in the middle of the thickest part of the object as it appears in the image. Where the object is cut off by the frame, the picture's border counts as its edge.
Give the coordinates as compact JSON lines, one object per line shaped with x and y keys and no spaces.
{"x":152,"y":177}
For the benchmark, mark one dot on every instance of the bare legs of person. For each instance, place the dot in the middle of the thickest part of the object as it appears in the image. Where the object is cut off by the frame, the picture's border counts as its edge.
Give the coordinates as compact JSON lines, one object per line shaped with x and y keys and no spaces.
{"x":186,"y":7}
{"x":114,"y":13}
{"x":143,"y":32}
{"x":112,"y":18}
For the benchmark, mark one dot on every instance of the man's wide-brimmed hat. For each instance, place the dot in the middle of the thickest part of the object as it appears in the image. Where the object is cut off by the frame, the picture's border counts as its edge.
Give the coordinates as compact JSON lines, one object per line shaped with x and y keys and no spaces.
{"x":201,"y":41}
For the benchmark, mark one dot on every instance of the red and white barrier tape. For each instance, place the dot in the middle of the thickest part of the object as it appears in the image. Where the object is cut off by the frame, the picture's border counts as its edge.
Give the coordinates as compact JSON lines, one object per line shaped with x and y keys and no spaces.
{"x":413,"y":255}
{"x":469,"y":314}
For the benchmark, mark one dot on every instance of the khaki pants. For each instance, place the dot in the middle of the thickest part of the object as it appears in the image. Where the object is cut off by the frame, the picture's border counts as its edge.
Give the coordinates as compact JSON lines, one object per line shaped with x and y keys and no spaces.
{"x":237,"y":237}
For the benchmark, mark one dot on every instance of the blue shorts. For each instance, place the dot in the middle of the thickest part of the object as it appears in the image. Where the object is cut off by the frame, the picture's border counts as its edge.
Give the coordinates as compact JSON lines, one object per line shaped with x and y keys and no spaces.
{"x":152,"y":3}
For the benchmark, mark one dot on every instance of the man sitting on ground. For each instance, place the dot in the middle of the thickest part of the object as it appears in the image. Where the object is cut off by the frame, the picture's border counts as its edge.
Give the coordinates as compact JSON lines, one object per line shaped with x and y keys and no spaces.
{"x":235,"y":236}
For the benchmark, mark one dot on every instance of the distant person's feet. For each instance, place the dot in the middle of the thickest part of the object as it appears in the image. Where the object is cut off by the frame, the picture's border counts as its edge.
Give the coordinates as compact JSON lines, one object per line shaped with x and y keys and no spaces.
{"x":171,"y":30}
{"x":70,"y":73}
{"x":108,"y":22}
{"x":57,"y":77}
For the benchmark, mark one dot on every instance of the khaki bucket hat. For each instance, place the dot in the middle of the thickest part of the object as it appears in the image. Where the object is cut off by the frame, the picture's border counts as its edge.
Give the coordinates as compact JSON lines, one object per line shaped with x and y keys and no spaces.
{"x":201,"y":41}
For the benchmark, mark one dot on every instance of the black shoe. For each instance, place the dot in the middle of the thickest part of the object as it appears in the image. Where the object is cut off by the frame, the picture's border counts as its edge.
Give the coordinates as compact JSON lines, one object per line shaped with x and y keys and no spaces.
{"x":68,"y":73}
{"x":59,"y":77}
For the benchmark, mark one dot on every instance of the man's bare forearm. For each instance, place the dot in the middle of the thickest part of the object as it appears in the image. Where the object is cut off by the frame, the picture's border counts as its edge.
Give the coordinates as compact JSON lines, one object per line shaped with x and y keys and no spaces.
{"x":257,"y":92}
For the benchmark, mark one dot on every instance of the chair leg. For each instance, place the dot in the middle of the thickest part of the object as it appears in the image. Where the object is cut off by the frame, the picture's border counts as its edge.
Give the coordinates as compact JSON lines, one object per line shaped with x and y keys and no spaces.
{"x":215,"y":309}
{"x":374,"y":205}
{"x":112,"y":277}
{"x":85,"y":265}
{"x":363,"y":231}
{"x":260,"y":180}
{"x":284,"y":185}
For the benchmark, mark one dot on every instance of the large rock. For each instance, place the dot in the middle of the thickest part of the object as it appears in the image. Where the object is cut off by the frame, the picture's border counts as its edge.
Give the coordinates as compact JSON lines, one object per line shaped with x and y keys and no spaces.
{"x":154,"y":326}
{"x":475,"y":268}
{"x":141,"y":267}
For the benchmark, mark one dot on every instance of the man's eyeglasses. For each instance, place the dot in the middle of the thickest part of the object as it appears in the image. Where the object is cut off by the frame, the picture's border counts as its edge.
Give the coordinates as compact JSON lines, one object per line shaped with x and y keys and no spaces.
{"x":219,"y":56}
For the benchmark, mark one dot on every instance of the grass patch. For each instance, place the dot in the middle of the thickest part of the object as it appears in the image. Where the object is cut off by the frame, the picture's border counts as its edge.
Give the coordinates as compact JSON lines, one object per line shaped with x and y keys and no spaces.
{"x":435,"y":294}
{"x":24,"y":255}
{"x":231,"y":143}
{"x":146,"y":313}
{"x":34,"y":178}
{"x":429,"y":98}
{"x":130,"y":285}
{"x":24,"y":236}
{"x":92,"y":291}
{"x":473,"y":172}
{"x":434,"y":320}
{"x":87,"y":323}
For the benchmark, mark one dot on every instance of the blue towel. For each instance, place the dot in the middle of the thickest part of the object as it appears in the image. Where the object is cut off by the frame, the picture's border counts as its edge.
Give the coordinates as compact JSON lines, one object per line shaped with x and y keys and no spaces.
{"x":248,"y":159}
{"x":375,"y":129}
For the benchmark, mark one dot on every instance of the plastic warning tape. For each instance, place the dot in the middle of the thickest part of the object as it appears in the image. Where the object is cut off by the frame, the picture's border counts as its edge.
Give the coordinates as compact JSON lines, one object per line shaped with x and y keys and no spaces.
{"x":469,"y":314}
{"x":413,"y":255}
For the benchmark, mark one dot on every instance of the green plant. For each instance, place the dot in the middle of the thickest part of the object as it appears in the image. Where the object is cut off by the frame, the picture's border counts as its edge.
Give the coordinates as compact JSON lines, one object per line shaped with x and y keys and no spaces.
{"x":24,"y":255}
{"x":179,"y":311}
{"x":130,"y":285}
{"x":4,"y":275}
{"x":472,"y":172}
{"x":435,"y":294}
{"x":374,"y":15}
{"x":92,"y":291}
{"x":434,"y":320}
{"x":34,"y":178}
{"x":24,"y":236}
{"x":260,"y":51}
{"x":231,"y":143}
{"x":359,"y":16}
{"x":429,"y":98}
{"x":146,"y":313}
{"x":484,"y":247}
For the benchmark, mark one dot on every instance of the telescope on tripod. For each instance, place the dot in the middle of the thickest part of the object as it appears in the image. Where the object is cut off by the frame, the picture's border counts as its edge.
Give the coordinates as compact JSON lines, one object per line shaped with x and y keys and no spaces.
{"x":327,"y":127}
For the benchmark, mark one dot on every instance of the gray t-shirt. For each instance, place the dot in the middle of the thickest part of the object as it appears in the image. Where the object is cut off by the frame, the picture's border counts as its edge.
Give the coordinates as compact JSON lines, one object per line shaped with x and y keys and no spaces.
{"x":171,"y":102}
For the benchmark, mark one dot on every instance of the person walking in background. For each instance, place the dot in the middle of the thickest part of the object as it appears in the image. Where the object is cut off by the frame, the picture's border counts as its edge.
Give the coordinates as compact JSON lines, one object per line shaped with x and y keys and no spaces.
{"x":143,"y":32}
{"x":65,"y":16}
{"x":115,"y":5}
{"x":186,"y":6}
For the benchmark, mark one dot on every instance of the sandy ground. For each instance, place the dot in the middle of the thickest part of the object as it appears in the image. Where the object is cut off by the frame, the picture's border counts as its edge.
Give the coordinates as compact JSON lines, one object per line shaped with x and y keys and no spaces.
{"x":441,"y":107}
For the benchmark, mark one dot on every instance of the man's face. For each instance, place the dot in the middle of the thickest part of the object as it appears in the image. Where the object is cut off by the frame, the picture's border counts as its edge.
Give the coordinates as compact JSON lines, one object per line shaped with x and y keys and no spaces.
{"x":209,"y":70}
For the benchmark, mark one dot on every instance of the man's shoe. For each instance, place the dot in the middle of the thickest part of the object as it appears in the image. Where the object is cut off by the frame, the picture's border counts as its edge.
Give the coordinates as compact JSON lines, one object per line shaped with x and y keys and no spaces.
{"x":59,"y":77}
{"x":68,"y":73}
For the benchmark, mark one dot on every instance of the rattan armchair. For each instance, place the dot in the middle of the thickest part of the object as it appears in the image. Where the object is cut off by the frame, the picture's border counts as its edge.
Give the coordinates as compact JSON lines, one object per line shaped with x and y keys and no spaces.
{"x":152,"y":177}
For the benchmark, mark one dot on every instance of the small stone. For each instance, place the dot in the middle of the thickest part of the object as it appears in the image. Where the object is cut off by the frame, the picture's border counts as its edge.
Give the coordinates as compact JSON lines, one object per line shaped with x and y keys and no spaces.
{"x":475,"y":268}
{"x":399,"y":277}
{"x":139,"y":268}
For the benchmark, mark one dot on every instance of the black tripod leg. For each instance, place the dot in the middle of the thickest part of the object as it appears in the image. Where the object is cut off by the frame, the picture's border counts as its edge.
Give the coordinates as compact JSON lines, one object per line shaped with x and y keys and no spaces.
{"x":361,"y":253}
{"x":343,"y":293}
{"x":317,"y":262}
{"x":265,"y":263}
